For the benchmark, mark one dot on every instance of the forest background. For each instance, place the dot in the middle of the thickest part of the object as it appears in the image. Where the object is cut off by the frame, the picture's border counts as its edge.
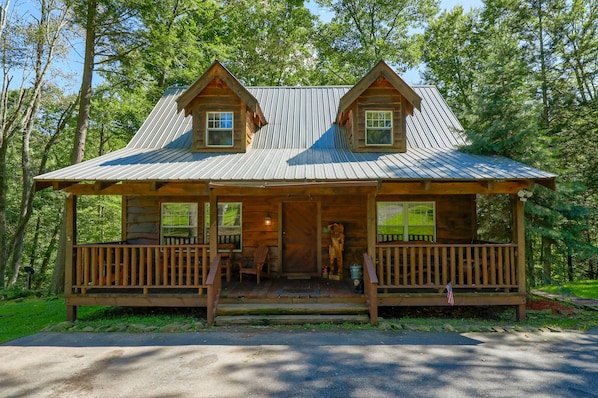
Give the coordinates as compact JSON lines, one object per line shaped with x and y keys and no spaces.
{"x":521,"y":76}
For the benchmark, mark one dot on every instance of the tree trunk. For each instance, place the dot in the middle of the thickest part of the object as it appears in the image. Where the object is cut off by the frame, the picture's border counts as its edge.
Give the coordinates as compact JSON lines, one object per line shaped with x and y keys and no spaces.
{"x":546,"y":260}
{"x":81,"y":132}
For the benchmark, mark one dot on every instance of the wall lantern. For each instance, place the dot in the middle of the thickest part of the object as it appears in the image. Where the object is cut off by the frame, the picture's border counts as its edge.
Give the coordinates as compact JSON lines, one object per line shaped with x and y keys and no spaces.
{"x":524,"y":195}
{"x":268,"y":220}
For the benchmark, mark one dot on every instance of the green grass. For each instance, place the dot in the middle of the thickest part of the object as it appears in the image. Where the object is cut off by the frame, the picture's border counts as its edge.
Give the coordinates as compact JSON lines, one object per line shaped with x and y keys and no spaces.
{"x":28,"y":315}
{"x":583,"y":289}
{"x":24,"y":316}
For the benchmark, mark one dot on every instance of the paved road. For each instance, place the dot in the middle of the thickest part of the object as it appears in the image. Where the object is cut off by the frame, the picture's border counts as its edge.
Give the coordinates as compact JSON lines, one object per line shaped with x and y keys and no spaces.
{"x":263,"y":363}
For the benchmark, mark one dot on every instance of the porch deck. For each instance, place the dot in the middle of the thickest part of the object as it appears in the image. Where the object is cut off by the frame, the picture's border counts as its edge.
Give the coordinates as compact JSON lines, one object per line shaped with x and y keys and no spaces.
{"x":401,"y":274}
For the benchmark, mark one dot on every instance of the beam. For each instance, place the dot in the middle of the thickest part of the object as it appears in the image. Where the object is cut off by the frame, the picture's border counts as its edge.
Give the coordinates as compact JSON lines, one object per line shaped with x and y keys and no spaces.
{"x":142,"y":188}
{"x":453,"y":188}
{"x":99,"y":186}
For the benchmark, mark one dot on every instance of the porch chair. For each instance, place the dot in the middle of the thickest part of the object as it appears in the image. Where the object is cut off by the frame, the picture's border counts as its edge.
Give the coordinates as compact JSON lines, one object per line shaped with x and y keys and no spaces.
{"x":260,"y":258}
{"x":226,"y":258}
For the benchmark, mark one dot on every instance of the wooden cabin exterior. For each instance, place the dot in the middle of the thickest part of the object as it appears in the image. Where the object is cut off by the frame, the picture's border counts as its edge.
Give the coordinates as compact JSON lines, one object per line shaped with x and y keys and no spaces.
{"x":219,"y":169}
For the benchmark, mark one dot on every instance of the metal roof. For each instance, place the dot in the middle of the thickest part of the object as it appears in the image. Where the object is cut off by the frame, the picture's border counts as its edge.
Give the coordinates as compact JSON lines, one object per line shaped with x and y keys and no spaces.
{"x":299,"y":143}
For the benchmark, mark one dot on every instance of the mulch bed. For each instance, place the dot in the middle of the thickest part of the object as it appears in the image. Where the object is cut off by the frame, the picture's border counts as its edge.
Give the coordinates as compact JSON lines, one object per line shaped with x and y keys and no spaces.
{"x":471,"y":312}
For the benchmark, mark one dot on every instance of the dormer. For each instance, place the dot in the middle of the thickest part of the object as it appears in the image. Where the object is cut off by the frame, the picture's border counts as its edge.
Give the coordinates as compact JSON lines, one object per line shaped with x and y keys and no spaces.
{"x":375,"y":110}
{"x":225,"y":115}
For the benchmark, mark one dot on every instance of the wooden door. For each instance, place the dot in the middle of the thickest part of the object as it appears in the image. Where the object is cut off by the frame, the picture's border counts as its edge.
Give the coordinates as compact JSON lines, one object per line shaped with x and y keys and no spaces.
{"x":299,"y":238}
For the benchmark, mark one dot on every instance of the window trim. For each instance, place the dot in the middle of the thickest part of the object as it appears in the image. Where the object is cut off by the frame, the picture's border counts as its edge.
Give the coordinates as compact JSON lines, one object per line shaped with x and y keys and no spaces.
{"x":406,"y":204}
{"x":220,"y":129}
{"x":391,"y":128}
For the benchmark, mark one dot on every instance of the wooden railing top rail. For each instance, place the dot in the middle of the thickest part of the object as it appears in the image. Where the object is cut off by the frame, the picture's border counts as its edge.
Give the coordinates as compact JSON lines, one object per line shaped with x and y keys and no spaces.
{"x":434,"y":244}
{"x":111,"y":244}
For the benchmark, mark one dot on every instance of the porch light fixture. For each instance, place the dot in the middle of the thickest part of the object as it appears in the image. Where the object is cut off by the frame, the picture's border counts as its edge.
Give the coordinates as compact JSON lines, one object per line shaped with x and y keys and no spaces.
{"x":268,"y":220}
{"x":524,"y":194}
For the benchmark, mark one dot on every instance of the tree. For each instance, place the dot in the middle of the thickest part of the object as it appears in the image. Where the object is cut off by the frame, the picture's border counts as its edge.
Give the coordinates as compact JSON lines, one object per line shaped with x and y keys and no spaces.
{"x":30,"y":46}
{"x":363,"y":32}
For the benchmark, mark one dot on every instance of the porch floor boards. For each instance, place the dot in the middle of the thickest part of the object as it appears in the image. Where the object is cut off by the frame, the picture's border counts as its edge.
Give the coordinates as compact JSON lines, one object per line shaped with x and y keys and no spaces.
{"x":292,"y":289}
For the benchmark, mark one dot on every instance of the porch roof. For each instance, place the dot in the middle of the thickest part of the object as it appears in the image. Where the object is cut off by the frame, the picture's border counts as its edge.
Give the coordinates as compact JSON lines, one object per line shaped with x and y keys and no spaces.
{"x":165,"y":164}
{"x":301,"y":143}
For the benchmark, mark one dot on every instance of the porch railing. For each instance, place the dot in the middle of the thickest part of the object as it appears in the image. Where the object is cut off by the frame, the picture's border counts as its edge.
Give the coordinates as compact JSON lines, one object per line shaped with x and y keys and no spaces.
{"x":214,"y":283}
{"x":116,"y":265}
{"x":370,"y":288}
{"x":431,"y":265}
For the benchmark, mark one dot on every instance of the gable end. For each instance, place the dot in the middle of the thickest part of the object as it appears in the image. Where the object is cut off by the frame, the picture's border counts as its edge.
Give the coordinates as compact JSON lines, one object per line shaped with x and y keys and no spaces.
{"x":225,"y":114}
{"x":375,"y":110}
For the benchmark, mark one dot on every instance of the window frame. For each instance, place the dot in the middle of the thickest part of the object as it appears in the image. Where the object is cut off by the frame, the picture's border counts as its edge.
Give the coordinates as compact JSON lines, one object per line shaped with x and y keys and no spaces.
{"x":206,"y":223}
{"x":230,"y":129}
{"x":194,"y":228}
{"x":389,"y":128}
{"x":406,"y":206}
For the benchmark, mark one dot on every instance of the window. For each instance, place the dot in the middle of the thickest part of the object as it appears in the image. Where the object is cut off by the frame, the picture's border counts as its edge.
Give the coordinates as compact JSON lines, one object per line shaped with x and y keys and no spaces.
{"x":378,"y":127}
{"x":406,"y":221}
{"x":178,"y":223}
{"x":219,"y":130}
{"x":229,"y":223}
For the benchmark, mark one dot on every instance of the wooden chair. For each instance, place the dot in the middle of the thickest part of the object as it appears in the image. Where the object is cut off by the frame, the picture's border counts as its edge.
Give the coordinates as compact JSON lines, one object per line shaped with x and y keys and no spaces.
{"x":226,"y":258}
{"x":260,"y":258}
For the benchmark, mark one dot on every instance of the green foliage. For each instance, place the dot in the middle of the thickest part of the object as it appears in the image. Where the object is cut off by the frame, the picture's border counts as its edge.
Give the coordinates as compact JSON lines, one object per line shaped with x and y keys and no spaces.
{"x":523,"y":82}
{"x":270,"y":42}
{"x":363,"y":32}
{"x":99,"y":219}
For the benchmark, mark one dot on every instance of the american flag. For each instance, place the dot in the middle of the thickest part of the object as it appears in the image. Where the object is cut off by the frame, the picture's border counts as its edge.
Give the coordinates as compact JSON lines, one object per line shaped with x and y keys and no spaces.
{"x":449,"y":294}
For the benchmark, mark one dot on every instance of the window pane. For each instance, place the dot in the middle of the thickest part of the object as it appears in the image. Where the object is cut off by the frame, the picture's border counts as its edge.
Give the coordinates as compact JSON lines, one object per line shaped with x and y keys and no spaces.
{"x":390,"y":221}
{"x":219,"y":129}
{"x":229,"y":223}
{"x":220,"y":138}
{"x":378,"y":127}
{"x":179,"y":220}
{"x":402,"y":221}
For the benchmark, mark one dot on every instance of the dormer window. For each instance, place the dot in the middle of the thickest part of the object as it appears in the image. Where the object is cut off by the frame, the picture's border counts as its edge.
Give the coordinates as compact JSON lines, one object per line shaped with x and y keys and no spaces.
{"x":219,"y":131}
{"x":378,"y":127}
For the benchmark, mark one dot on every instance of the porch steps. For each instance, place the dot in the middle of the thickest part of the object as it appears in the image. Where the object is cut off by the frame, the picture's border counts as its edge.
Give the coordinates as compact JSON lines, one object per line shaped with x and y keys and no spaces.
{"x":290,"y":314}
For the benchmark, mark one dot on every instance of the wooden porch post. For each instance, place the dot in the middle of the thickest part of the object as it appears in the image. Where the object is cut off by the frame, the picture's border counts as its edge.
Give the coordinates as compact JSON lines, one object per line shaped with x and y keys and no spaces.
{"x":519,"y":238}
{"x":71,"y":239}
{"x":371,"y":226}
{"x":213,"y":225}
{"x":371,"y":280}
{"x":123,"y":222}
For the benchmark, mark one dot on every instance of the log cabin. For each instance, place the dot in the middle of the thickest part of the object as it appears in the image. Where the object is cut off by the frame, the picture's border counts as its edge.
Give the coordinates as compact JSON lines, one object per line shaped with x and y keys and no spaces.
{"x":219,"y":169}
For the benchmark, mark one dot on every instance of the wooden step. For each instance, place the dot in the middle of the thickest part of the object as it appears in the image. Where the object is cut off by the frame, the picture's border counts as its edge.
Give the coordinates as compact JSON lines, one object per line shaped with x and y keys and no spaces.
{"x":290,"y":319}
{"x":292,"y":309}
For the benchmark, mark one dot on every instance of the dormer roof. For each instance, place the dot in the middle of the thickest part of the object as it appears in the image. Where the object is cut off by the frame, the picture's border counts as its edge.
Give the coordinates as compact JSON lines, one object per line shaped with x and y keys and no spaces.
{"x":380,"y":70}
{"x":217,"y":70}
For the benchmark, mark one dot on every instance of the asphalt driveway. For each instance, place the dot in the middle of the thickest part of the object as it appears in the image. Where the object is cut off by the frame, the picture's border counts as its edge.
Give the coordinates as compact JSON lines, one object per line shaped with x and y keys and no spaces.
{"x":265,"y":363}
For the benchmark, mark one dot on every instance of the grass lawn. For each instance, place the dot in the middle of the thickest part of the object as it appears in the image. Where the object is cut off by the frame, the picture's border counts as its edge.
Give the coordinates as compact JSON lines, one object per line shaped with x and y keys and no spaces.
{"x":583,"y":289}
{"x":25,"y":316}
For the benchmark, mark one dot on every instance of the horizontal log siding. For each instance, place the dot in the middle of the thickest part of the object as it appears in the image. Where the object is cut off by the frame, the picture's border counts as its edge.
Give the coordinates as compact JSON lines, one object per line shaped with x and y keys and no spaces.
{"x":351,"y":212}
{"x":140,"y":266}
{"x":477,"y":266}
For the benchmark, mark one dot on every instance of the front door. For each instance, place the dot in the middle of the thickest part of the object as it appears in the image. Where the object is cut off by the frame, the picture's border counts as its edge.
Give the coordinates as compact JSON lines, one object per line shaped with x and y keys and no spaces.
{"x":299,"y":238}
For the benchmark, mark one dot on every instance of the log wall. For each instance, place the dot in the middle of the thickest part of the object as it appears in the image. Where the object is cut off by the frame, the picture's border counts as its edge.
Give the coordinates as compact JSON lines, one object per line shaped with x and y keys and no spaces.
{"x":455,"y":220}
